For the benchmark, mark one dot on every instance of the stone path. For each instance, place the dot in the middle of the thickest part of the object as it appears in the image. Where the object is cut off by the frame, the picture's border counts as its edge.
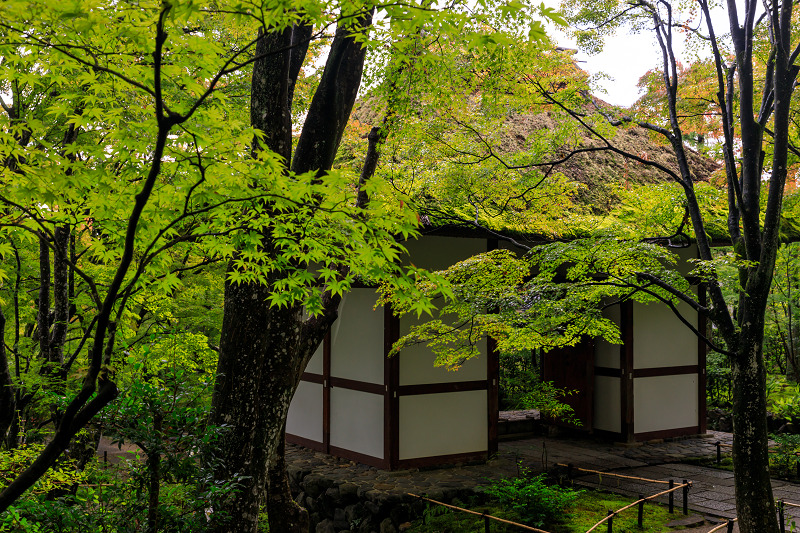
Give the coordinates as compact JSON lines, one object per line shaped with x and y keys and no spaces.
{"x":711,"y":492}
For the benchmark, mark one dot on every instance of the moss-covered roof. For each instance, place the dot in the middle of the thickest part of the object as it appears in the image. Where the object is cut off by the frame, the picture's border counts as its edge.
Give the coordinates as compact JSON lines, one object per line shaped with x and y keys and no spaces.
{"x":610,"y":194}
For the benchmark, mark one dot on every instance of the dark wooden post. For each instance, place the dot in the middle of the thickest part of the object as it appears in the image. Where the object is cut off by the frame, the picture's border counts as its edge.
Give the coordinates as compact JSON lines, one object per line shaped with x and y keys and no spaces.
{"x":730,"y":525}
{"x":719,"y":452}
{"x":641,"y":512}
{"x":685,"y":497}
{"x":671,"y":497}
{"x":610,"y":521}
{"x":486,"y":524}
{"x":781,"y":516}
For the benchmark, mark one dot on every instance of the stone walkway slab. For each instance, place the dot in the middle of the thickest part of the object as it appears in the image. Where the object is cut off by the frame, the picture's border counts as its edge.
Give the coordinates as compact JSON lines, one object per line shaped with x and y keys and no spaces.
{"x":712,"y":493}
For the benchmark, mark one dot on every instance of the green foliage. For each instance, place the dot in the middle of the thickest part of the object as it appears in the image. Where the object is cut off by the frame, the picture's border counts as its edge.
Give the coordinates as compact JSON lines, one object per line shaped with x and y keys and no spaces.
{"x":783,"y":397}
{"x":784,"y":455}
{"x":518,"y":376}
{"x":536,"y":502}
{"x":719,"y":386}
{"x":461,"y":141}
{"x":549,"y":298}
{"x":60,"y":478}
{"x":549,"y":401}
{"x":521,"y":389}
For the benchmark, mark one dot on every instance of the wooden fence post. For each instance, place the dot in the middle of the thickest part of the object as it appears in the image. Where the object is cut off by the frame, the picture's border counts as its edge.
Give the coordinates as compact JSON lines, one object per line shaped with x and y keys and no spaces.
{"x":671,"y":497}
{"x":610,"y":521}
{"x":641,"y":512}
{"x":719,"y":452}
{"x":730,"y":525}
{"x":781,"y":516}
{"x":685,"y":497}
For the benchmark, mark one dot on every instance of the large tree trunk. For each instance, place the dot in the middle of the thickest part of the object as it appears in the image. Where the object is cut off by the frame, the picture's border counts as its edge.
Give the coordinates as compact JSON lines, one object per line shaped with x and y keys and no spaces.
{"x":264,"y":350}
{"x":284,"y":514}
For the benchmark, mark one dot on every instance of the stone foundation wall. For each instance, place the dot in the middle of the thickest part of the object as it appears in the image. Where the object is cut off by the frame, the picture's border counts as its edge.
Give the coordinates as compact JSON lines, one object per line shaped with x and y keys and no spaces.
{"x":336,"y":504}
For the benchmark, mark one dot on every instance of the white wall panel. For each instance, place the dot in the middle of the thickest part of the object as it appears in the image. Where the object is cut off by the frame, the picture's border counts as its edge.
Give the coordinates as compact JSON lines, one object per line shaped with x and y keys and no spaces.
{"x":665,"y":402}
{"x":357,"y":421}
{"x":305,"y":412}
{"x":607,"y":404}
{"x":416,"y":362}
{"x":357,"y":338}
{"x":683,"y":265}
{"x":443,"y":424}
{"x":315,"y":364}
{"x":439,"y":253}
{"x":607,"y":354}
{"x":660,"y":338}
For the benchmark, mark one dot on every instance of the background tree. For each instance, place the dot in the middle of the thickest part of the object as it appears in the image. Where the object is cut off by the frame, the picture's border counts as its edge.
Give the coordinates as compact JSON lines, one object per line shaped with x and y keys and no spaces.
{"x":750,"y":110}
{"x":756,"y":144}
{"x":155,"y":180}
{"x":267,"y":336}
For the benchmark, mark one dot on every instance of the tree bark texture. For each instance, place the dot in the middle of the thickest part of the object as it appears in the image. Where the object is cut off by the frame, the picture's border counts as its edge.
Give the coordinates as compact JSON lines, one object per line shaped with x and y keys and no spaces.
{"x":8,"y":393}
{"x":264,"y":350}
{"x":283,"y":512}
{"x":755,"y":505}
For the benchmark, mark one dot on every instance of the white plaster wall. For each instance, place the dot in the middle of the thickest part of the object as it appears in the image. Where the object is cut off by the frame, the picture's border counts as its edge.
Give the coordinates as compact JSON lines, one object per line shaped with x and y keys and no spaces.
{"x":607,"y":406}
{"x":660,"y":339}
{"x":357,"y":338}
{"x":683,"y":265}
{"x":305,"y":412}
{"x":665,"y":402}
{"x":416,"y":362}
{"x":605,"y":353}
{"x":357,"y":421}
{"x":314,"y":366}
{"x":439,"y":253}
{"x":443,"y":424}
{"x":505,"y":245}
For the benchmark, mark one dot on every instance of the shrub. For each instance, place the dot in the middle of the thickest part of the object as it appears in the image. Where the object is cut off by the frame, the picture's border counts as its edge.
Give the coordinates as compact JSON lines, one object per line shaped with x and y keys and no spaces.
{"x":536,"y":502}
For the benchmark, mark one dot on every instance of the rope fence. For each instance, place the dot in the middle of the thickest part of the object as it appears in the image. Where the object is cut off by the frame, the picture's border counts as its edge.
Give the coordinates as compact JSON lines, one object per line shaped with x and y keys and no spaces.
{"x":571,"y":468}
{"x":608,"y":519}
{"x":486,"y":517}
{"x":728,"y":524}
{"x":780,"y":504}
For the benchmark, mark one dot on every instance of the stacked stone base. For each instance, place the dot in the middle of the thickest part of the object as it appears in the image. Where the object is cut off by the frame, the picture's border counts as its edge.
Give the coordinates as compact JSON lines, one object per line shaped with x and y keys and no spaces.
{"x":339,"y":506}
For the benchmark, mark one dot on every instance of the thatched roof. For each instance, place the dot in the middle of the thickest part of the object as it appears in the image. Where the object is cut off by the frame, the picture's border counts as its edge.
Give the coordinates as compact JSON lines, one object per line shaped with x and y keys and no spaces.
{"x":616,"y":195}
{"x":591,"y":167}
{"x":602,"y":172}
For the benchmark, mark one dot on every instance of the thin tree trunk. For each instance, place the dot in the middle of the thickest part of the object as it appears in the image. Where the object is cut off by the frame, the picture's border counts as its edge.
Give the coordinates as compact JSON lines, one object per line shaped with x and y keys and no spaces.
{"x":754,"y":500}
{"x":154,"y":465}
{"x":8,"y":407}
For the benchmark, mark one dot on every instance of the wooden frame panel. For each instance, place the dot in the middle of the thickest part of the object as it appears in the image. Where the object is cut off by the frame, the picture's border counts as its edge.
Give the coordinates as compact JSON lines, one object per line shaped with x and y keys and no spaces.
{"x":493,"y":392}
{"x":626,"y":369}
{"x":391,"y":403}
{"x":702,"y":351}
{"x":668,"y":433}
{"x":368,"y":460}
{"x":326,"y":392}
{"x":608,"y":372}
{"x":306,"y":443}
{"x":439,"y":388}
{"x":437,"y":460}
{"x":665,"y":371}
